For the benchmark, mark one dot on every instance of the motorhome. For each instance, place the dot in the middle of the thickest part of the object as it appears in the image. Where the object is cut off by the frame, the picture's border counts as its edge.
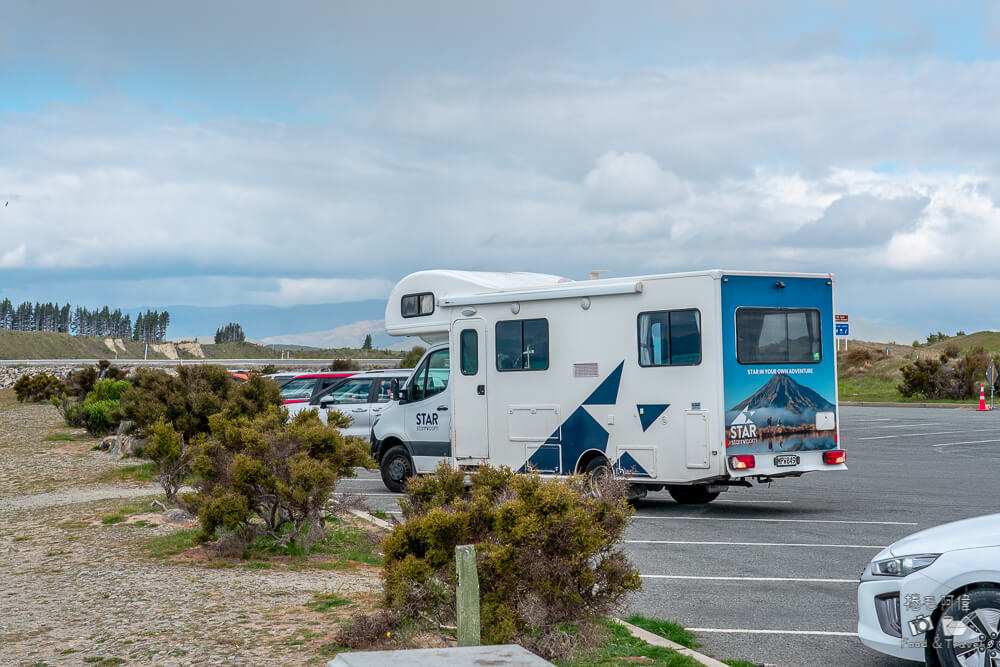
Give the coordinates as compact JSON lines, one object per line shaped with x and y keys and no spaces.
{"x":693,"y":382}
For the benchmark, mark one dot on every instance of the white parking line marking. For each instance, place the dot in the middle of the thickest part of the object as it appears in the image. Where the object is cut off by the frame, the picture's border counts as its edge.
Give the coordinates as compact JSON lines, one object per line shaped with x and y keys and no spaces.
{"x":720,"y":518}
{"x":915,"y":425}
{"x":759,"y":544}
{"x":968,"y":442}
{"x":912,"y":435}
{"x":756,"y":502}
{"x":818,"y":633}
{"x":784,"y":579}
{"x":394,"y":495}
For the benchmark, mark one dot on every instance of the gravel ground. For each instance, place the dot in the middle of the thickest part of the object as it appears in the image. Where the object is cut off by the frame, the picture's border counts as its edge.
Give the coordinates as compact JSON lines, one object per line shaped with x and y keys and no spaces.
{"x":75,"y":591}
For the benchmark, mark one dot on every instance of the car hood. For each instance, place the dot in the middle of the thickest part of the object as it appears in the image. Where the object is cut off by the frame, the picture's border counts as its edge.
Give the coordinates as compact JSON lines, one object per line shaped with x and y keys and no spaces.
{"x":981,"y":531}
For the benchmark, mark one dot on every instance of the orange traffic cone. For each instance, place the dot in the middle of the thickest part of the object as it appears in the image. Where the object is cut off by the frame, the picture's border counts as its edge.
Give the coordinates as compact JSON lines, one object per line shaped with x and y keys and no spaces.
{"x":982,"y":399}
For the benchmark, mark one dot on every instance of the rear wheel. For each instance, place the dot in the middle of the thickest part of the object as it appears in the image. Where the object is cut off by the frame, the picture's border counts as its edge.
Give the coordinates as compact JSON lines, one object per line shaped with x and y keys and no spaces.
{"x":396,"y":468}
{"x":598,"y":470}
{"x":696,"y":494}
{"x":973,"y":635}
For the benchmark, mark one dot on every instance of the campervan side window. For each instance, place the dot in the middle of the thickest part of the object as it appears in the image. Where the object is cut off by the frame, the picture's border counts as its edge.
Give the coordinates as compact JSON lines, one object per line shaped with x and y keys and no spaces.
{"x":417,"y":305}
{"x":469,"y":353}
{"x":523,"y":345}
{"x":670,"y":338}
{"x":778,"y":336}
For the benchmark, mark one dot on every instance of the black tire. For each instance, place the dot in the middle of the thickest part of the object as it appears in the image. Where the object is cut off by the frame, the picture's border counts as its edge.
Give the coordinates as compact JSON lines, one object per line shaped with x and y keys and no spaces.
{"x":396,"y":468}
{"x":596,"y":470}
{"x":696,"y":494}
{"x":981,"y":617}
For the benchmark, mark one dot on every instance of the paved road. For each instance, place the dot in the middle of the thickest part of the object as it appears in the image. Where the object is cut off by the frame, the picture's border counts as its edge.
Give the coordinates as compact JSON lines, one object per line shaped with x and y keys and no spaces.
{"x":770,"y":575}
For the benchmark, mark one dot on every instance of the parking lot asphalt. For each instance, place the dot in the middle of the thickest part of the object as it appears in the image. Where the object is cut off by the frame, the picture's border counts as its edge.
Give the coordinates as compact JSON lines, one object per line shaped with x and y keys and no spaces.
{"x":770,"y":575}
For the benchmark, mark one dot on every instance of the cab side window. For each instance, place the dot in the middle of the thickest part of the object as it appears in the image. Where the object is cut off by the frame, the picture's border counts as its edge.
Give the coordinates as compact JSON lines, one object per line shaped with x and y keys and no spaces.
{"x":431,"y":377}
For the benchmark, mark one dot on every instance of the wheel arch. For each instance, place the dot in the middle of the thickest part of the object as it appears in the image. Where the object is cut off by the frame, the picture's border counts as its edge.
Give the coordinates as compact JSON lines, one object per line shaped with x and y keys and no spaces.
{"x":961,"y":590}
{"x":388,"y":443}
{"x":584,"y":460}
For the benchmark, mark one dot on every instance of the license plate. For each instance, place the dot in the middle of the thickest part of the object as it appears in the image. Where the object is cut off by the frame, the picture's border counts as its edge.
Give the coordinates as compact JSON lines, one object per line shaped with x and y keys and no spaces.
{"x":786,"y":460}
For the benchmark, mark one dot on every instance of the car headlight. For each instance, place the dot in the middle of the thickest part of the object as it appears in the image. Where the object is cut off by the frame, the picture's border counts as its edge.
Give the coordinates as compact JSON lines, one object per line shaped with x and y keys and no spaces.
{"x":903,"y":566}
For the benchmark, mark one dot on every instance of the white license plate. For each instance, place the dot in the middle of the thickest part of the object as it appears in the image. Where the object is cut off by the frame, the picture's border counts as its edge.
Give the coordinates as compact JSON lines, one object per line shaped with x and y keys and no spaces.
{"x":786,"y":460}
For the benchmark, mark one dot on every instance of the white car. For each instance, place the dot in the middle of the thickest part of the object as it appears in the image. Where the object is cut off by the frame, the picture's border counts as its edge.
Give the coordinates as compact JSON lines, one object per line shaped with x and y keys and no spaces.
{"x":361,"y":397}
{"x":934,"y":596}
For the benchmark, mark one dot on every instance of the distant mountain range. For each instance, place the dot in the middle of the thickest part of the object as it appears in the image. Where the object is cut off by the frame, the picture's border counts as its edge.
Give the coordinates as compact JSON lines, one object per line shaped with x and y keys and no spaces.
{"x":348,"y":335}
{"x":261,"y":322}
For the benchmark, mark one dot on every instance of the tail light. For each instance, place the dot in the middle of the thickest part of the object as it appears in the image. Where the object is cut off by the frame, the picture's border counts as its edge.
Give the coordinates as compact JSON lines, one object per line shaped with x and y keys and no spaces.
{"x":742,"y":462}
{"x":834,"y":456}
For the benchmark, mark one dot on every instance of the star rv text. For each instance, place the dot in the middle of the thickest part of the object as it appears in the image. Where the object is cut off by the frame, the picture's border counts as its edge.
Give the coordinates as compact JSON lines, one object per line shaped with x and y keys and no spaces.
{"x":692,"y":381}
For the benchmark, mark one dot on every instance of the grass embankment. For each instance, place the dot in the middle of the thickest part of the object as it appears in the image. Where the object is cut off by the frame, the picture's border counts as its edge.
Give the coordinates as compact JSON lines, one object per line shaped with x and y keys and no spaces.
{"x":51,"y":345}
{"x":866,"y":373}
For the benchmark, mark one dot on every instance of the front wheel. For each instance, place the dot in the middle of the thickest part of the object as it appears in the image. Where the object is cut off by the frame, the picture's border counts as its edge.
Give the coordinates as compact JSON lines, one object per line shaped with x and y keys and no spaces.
{"x":396,"y":468}
{"x":696,"y":494}
{"x":970,"y":636}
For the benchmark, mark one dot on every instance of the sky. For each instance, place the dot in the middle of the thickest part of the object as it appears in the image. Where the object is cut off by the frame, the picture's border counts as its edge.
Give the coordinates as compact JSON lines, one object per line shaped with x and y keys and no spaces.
{"x":223,"y":153}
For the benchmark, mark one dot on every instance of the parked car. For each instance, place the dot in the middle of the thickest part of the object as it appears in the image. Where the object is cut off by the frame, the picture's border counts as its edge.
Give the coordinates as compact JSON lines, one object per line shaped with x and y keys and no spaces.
{"x":935,"y":596}
{"x":304,"y":387}
{"x":361,"y":397}
{"x":281,"y":379}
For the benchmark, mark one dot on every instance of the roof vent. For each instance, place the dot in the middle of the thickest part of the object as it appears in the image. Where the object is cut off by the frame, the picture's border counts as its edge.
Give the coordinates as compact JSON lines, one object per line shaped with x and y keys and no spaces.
{"x":596,"y":274}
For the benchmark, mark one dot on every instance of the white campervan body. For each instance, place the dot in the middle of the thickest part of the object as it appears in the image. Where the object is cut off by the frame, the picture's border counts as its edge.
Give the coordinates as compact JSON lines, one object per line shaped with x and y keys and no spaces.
{"x":691,"y":381}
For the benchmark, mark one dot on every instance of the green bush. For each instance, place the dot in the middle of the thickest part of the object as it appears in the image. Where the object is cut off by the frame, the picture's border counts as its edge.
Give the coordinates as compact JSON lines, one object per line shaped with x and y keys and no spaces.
{"x":36,"y":388}
{"x":175,"y":413}
{"x":186,"y":400}
{"x":101,"y":409}
{"x":262,"y":476}
{"x":344,"y":365}
{"x":547,"y":554}
{"x":81,"y":382}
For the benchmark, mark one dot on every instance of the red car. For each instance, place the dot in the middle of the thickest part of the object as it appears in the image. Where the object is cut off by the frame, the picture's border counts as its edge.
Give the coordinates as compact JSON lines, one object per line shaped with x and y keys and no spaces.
{"x":303,"y":387}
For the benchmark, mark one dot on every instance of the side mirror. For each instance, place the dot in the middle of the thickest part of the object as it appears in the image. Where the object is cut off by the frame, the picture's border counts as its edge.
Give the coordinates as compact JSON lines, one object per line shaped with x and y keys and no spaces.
{"x":327,"y":400}
{"x":394,"y":388}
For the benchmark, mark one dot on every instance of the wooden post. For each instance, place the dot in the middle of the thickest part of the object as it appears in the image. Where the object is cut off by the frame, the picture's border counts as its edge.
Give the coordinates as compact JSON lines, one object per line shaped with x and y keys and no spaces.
{"x":467,"y":595}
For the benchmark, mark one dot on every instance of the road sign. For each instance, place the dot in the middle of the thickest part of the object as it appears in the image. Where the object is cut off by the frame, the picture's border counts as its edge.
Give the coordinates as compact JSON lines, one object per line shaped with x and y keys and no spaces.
{"x":840,"y":318}
{"x":843,"y":329}
{"x":991,"y":373}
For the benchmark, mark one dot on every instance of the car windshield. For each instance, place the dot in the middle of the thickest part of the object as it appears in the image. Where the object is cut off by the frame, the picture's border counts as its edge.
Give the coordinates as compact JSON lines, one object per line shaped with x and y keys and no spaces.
{"x":298,"y":389}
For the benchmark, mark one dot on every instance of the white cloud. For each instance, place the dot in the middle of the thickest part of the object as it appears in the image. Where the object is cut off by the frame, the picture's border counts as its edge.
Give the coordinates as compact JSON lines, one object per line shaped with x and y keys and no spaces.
{"x":14,"y":259}
{"x":631,"y":181}
{"x":645,"y":170}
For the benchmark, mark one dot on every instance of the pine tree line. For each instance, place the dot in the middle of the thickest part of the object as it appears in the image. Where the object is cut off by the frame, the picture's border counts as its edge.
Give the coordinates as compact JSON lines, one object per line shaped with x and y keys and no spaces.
{"x":150,"y":327}
{"x":232,"y":332}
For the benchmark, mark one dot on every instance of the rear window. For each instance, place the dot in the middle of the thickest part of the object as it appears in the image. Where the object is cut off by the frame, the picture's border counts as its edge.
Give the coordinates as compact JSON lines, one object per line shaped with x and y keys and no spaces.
{"x":296,"y":389}
{"x":778,"y":336}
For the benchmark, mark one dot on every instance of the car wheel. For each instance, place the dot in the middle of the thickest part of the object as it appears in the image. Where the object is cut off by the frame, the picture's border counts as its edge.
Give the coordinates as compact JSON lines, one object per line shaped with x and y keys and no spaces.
{"x":396,"y":468}
{"x":696,"y":494}
{"x":597,"y":472}
{"x":973,"y":635}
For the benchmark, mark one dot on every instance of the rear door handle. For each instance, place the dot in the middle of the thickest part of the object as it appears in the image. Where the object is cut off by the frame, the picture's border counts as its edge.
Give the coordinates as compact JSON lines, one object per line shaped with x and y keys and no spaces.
{"x":360,"y":410}
{"x":443,"y":408}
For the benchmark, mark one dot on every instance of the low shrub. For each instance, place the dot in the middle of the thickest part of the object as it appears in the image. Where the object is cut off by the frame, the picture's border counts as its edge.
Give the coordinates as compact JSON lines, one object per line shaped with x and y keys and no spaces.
{"x":857,"y":356}
{"x":101,"y":410}
{"x":344,"y":365}
{"x":36,"y":388}
{"x":260,"y":475}
{"x":179,"y":419}
{"x":547,"y":555}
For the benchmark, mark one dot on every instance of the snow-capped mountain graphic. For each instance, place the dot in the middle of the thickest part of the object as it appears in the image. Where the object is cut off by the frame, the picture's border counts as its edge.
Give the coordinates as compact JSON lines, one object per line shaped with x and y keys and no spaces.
{"x":782,"y":401}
